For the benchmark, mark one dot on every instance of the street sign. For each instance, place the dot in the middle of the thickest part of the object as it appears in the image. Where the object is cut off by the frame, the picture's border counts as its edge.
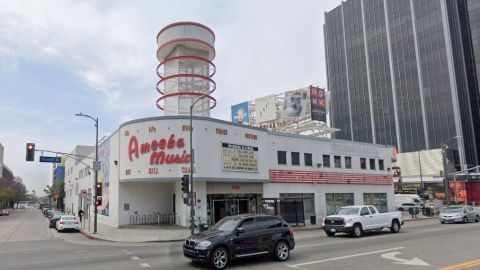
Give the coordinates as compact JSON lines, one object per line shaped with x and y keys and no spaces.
{"x":50,"y":159}
{"x":96,"y":165}
{"x":89,"y":199}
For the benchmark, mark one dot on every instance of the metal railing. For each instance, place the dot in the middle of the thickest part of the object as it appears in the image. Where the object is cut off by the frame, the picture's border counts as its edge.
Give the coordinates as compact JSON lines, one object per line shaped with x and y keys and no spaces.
{"x":156,"y":218}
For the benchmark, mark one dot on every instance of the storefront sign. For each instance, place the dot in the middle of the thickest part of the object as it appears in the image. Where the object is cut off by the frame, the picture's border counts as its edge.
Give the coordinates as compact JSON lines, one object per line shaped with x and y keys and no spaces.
{"x":240,"y":158}
{"x":161,"y":151}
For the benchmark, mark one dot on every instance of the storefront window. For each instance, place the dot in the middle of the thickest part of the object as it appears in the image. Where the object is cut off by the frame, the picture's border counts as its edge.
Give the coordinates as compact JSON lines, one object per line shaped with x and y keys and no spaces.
{"x":348,"y":162}
{"x":363,"y":163}
{"x":335,"y":201}
{"x":295,"y":158}
{"x":308,"y":201}
{"x":381,"y":165}
{"x":379,"y":200}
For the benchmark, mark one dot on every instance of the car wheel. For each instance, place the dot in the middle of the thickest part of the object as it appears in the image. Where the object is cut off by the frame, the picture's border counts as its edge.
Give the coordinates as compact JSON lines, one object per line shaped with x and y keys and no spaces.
{"x":282,"y":251}
{"x":443,"y":222}
{"x":465,"y":220}
{"x":400,"y":209}
{"x":395,"y":228}
{"x":330,"y":234}
{"x":219,"y":258}
{"x":477,"y":219}
{"x":357,"y":230}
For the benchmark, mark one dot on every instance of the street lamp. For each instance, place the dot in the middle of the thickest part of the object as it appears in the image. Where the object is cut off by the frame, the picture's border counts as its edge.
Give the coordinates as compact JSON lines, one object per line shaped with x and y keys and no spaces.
{"x":192,"y":210}
{"x":95,"y":169}
{"x":444,"y":147}
{"x":421,"y":176}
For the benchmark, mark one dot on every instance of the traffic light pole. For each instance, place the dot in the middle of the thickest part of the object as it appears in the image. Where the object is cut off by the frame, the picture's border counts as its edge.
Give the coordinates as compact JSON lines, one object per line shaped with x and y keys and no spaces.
{"x":95,"y":169}
{"x":192,"y":209}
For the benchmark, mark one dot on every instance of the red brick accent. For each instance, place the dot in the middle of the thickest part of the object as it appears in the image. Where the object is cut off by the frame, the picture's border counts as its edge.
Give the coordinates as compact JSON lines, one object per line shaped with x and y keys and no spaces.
{"x":287,"y":176}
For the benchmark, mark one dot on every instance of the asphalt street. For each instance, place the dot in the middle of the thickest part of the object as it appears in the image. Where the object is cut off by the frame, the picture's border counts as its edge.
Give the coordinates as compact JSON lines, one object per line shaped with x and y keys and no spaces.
{"x":27,"y":243}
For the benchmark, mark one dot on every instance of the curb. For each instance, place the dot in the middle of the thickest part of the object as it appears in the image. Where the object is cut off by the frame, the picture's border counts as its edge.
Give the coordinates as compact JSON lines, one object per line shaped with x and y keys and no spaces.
{"x":306,"y":229}
{"x":418,"y":219}
{"x":93,"y":237}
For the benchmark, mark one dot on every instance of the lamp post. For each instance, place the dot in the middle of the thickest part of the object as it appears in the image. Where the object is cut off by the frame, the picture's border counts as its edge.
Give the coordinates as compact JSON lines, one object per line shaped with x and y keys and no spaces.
{"x":192,"y":210}
{"x":444,"y":147}
{"x":421,"y":175}
{"x":96,"y":171}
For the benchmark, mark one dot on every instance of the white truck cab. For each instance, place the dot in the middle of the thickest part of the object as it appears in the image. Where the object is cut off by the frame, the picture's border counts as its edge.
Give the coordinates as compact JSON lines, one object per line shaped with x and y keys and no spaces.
{"x":358,"y":219}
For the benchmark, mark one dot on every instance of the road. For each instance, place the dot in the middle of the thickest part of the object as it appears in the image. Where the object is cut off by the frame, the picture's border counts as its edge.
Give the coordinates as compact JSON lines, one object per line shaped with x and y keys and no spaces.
{"x":27,"y":243}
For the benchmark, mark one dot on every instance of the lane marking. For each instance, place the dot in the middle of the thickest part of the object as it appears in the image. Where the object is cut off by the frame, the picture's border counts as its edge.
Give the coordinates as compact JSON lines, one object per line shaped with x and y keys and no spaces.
{"x":134,"y":258}
{"x":310,"y":245}
{"x":464,"y":265}
{"x":393,"y":256}
{"x":343,"y":257}
{"x":145,"y":265}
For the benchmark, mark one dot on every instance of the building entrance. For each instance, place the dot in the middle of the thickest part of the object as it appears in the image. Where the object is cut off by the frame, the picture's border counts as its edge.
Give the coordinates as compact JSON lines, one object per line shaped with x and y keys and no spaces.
{"x":222,"y":205}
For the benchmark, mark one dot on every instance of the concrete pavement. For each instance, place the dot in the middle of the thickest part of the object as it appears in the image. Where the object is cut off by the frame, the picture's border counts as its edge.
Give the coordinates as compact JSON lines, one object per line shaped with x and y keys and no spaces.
{"x":424,"y":244}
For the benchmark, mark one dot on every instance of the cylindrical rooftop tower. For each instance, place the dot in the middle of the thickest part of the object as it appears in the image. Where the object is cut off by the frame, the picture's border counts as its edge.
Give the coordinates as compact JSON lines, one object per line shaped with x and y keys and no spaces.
{"x":185,"y":51}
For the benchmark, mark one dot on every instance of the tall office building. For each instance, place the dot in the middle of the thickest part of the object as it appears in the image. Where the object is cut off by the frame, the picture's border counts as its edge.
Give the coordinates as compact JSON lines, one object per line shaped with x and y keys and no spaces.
{"x":405,"y":73}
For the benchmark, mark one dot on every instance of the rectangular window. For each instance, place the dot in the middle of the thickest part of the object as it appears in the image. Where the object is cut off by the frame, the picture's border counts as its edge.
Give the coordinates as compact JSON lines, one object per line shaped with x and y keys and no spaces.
{"x":282,"y":157}
{"x":308,"y":159}
{"x":348,"y":162}
{"x":295,"y":158}
{"x":334,"y":201}
{"x":337,"y":160}
{"x":372,"y":164}
{"x":363,"y":163}
{"x":379,"y":200}
{"x":308,"y":203}
{"x":326,"y":161}
{"x":381,"y":165}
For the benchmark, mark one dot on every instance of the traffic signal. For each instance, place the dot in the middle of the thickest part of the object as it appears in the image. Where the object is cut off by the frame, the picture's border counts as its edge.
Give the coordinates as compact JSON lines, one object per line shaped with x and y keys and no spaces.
{"x":30,"y":152}
{"x":98,"y":194}
{"x":185,"y":184}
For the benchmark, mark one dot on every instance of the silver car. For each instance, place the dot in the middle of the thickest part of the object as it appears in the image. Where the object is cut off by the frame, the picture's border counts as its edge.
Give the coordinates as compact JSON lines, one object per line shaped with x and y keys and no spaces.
{"x":459,"y":213}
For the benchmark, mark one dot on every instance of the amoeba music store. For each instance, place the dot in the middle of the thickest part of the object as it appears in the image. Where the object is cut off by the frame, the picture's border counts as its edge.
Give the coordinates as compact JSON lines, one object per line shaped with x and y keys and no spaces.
{"x":238,"y":169}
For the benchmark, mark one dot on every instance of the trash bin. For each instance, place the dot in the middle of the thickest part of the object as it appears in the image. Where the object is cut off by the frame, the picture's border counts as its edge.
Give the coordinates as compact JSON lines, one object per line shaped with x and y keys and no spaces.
{"x":313,"y":220}
{"x":202,"y":227}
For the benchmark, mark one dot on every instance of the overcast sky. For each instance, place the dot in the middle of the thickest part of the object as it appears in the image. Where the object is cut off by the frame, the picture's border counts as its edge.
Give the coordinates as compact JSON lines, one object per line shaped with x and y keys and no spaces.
{"x":58,"y":58}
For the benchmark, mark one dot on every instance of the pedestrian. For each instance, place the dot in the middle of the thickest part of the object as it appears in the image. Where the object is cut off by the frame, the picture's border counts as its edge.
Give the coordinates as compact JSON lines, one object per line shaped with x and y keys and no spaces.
{"x":80,"y":214}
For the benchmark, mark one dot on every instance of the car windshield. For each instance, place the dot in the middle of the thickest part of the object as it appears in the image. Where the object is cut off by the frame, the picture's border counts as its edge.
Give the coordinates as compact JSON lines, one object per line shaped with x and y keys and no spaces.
{"x":453,"y":210}
{"x":226,"y":224}
{"x":348,"y":211}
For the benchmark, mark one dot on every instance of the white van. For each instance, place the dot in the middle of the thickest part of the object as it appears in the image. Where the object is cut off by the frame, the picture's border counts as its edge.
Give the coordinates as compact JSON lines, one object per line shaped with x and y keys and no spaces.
{"x":407,"y":198}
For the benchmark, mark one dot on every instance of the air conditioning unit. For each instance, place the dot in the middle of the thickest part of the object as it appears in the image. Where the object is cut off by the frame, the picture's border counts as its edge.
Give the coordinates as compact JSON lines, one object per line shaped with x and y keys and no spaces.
{"x":319,"y":165}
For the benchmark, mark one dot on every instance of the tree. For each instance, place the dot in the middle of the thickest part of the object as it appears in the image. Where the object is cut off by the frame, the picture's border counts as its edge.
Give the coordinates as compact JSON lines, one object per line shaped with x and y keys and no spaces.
{"x":7,"y":194}
{"x":57,"y":188}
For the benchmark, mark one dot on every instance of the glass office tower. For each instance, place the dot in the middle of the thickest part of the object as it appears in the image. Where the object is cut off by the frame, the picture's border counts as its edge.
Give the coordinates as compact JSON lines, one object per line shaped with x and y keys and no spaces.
{"x":405,"y":73}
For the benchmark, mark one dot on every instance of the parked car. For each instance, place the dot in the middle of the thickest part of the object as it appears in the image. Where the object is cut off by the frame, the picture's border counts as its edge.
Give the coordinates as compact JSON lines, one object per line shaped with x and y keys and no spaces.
{"x":459,"y":213}
{"x":406,"y":206}
{"x":45,"y":211}
{"x":54,"y":219}
{"x":67,"y":223}
{"x":358,"y":219}
{"x":4,"y":212}
{"x":241,"y":236}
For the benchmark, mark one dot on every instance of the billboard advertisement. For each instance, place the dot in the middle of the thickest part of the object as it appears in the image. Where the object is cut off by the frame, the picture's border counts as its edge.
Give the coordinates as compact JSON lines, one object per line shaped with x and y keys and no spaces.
{"x":295,"y":104}
{"x":318,"y":104}
{"x":240,"y":113}
{"x":265,"y":109}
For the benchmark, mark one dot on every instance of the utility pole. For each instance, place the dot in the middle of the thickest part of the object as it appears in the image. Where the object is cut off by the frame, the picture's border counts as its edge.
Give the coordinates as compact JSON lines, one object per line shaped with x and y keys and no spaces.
{"x":192,"y":154}
{"x":421,"y":176}
{"x":95,"y":169}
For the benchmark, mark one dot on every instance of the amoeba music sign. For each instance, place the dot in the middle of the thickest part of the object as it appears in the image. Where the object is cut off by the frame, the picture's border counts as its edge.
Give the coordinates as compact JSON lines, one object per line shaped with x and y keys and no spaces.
{"x":239,"y":158}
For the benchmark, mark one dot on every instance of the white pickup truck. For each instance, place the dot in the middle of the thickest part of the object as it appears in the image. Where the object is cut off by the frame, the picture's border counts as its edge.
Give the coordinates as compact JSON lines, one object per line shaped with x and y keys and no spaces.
{"x":358,"y":219}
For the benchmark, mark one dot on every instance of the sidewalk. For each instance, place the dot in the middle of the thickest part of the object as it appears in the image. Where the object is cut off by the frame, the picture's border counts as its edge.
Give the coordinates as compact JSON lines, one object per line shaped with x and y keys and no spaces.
{"x":138,"y":233}
{"x":145,"y":233}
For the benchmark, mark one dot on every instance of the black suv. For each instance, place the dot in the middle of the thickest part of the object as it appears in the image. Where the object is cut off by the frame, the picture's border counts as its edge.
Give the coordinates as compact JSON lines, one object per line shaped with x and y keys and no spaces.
{"x":241,"y":236}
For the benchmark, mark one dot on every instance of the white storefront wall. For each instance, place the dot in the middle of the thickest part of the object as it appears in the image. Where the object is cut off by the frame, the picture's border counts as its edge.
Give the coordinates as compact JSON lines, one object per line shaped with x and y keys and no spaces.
{"x":138,"y":186}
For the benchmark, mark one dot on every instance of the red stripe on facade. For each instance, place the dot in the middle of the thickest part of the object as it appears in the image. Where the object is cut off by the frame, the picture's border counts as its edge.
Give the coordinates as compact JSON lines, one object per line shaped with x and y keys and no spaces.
{"x":286,"y":176}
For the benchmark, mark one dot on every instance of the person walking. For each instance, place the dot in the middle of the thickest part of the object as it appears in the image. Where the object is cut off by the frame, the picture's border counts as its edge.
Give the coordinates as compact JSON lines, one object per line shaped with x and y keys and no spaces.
{"x":80,"y":214}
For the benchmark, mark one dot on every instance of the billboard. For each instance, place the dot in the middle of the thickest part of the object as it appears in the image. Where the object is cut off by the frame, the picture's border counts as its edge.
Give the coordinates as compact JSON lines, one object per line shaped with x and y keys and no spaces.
{"x":239,"y":158}
{"x":240,"y":113}
{"x":265,"y":109}
{"x":318,"y":104}
{"x":295,"y":104}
